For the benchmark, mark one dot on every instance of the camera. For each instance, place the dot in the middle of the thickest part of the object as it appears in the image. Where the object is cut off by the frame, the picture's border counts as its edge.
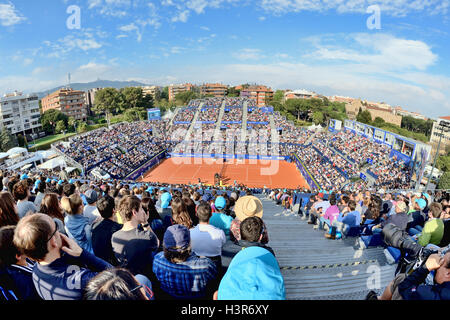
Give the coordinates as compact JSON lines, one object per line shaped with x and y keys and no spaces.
{"x":413,"y":255}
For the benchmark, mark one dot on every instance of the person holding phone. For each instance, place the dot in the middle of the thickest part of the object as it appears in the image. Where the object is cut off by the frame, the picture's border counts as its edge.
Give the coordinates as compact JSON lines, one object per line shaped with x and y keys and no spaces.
{"x":63,"y":268}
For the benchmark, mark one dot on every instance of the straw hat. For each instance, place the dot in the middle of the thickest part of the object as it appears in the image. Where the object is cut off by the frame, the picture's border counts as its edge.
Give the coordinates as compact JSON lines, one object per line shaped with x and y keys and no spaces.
{"x":248,"y":206}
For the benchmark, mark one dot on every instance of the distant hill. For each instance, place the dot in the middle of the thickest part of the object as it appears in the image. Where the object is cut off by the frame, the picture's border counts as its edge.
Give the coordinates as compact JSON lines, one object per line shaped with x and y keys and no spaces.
{"x":95,"y":84}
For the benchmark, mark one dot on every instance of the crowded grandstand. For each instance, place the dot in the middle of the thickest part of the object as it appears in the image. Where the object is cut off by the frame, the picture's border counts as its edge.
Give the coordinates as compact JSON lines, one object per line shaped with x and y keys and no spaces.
{"x":125,"y":239}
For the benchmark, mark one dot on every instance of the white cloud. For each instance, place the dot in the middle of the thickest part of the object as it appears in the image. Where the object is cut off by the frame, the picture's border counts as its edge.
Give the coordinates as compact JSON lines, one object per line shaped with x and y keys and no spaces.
{"x":379,"y":52}
{"x":181,"y":16}
{"x":114,"y":8}
{"x":9,"y":16}
{"x":130,"y":28}
{"x":248,"y":54}
{"x":393,"y":8}
{"x":84,"y":41}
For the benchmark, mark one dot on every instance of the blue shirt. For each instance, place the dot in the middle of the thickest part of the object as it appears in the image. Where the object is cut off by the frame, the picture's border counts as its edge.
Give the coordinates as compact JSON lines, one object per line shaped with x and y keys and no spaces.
{"x":352,"y":219}
{"x":63,"y":279}
{"x":221,"y":221}
{"x":185,"y":280}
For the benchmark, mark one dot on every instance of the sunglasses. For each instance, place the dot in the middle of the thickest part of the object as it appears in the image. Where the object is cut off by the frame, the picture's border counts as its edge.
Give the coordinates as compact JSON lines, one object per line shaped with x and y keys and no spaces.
{"x":54,"y":232}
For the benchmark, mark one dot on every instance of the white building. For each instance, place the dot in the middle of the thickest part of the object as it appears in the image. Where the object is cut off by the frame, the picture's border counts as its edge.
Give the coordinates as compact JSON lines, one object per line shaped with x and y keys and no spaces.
{"x":20,"y":113}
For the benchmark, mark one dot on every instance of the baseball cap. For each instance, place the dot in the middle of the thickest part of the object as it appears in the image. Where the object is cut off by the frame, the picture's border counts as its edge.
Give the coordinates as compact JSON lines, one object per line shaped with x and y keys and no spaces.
{"x":166,"y":197}
{"x":248,"y":206}
{"x":24,"y":176}
{"x":48,"y":180}
{"x":149,"y":189}
{"x":220,"y":203}
{"x":177,"y":236}
{"x":253,"y":274}
{"x":234,"y":195}
{"x":422,"y":203}
{"x":60,"y":182}
{"x":91,"y":196}
{"x":71,"y":181}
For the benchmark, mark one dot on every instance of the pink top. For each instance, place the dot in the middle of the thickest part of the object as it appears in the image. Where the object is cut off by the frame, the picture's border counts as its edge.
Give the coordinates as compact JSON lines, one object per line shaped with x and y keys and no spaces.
{"x":331,"y":213}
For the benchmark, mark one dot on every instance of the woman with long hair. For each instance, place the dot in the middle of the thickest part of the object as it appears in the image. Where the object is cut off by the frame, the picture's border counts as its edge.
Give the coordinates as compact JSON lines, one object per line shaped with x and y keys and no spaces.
{"x":8,"y":210}
{"x":154,"y":219}
{"x":51,"y":206}
{"x":180,"y":213}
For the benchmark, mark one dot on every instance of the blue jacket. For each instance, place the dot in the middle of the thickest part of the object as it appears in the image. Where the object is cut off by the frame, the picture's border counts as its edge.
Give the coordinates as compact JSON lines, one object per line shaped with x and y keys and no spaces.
{"x":79,"y":228}
{"x":413,"y":287}
{"x":66,"y":277}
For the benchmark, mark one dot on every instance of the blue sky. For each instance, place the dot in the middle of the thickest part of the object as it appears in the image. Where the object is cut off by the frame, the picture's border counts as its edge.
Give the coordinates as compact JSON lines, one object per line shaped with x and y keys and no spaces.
{"x":318,"y":45}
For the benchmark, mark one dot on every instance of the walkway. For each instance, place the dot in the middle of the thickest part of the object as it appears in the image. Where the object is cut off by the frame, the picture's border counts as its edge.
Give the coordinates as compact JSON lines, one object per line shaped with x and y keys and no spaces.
{"x":316,"y":268}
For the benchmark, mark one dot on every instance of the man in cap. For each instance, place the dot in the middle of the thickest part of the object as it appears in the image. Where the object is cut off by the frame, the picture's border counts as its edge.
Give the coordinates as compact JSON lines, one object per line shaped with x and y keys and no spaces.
{"x":248,"y":206}
{"x":91,"y":211}
{"x":417,"y":217}
{"x":180,"y":272}
{"x":219,"y":219}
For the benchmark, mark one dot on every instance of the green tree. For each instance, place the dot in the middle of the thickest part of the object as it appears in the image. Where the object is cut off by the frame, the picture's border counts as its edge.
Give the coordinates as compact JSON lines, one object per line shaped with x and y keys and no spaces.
{"x":49,"y":119}
{"x":81,"y":127}
{"x":184,"y":97}
{"x":21,"y":141}
{"x":378,"y":122}
{"x":444,"y":181}
{"x":232,"y":92}
{"x":108,"y":101}
{"x":164,"y":94}
{"x":60,"y":126}
{"x":135,"y":114}
{"x":317,"y":117}
{"x":71,"y":124}
{"x":278,"y":96}
{"x":297,"y":107}
{"x":7,"y":140}
{"x":364,"y":117}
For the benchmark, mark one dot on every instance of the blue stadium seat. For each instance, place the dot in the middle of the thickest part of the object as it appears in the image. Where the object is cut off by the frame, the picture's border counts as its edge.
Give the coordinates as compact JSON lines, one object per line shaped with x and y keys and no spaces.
{"x":372,"y":240}
{"x":395,"y":253}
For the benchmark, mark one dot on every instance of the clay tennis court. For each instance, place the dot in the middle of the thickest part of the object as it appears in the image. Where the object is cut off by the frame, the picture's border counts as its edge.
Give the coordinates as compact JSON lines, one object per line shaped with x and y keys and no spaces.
{"x":252,"y":173}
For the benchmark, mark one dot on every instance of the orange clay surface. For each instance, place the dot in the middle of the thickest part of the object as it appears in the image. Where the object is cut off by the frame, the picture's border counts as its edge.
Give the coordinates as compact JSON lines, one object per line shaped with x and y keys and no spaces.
{"x":252,"y":173}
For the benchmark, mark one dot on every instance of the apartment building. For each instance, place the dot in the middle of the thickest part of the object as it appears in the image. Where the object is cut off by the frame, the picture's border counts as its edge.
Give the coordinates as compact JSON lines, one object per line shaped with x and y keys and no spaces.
{"x":416,"y":115}
{"x":215,"y":89}
{"x":260,"y":94}
{"x":70,"y":102}
{"x":436,"y":134}
{"x":175,"y":89}
{"x":299,"y":94}
{"x":20,"y":113}
{"x":89,"y":98}
{"x":151,"y":90}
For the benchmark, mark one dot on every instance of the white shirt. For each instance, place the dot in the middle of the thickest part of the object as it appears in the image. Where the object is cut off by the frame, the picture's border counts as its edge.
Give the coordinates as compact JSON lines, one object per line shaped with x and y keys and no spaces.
{"x":91,"y":212}
{"x":207,"y":240}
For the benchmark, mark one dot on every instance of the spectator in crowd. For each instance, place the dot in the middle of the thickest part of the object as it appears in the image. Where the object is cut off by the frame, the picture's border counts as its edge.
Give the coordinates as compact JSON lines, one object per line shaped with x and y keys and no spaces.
{"x":40,"y":187}
{"x":207,"y":240}
{"x":8,"y":210}
{"x":330,"y":214}
{"x":413,"y":286}
{"x":417,"y":217}
{"x":219,"y":219}
{"x":190,"y":207}
{"x":247,"y":206}
{"x":63,"y":268}
{"x":15,"y":270}
{"x":90,"y":210}
{"x":118,"y":284}
{"x":69,"y":189}
{"x":103,"y":230}
{"x":400,"y":218}
{"x":180,"y":214}
{"x":252,"y":230}
{"x":51,"y":206}
{"x":77,"y":226}
{"x":163,"y":207}
{"x":156,"y":224}
{"x":181,"y":273}
{"x":433,"y":230}
{"x":21,"y":193}
{"x":253,"y":274}
{"x":135,"y":244}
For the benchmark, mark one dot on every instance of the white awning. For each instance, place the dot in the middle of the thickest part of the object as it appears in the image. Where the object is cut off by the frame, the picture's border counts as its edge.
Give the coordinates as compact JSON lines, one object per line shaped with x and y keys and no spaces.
{"x":70,"y":169}
{"x":53,"y":163}
{"x":16,"y":150}
{"x":27,"y":166}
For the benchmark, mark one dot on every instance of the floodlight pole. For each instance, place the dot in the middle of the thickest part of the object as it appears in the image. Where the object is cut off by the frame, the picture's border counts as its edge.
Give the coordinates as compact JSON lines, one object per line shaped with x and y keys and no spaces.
{"x":442,"y":124}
